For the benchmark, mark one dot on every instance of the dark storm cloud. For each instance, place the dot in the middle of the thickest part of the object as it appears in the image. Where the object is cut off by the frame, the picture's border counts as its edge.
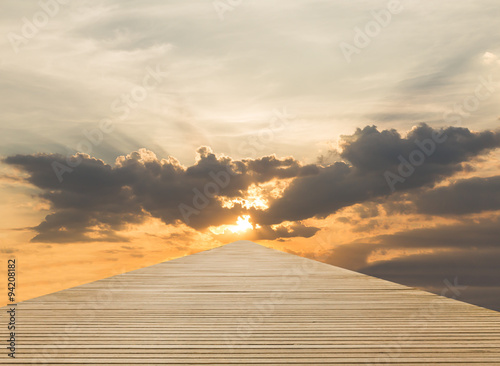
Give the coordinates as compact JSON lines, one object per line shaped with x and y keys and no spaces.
{"x":478,"y":267}
{"x":468,"y":253}
{"x":294,"y":230}
{"x":371,"y":154}
{"x":468,"y":235}
{"x":372,"y":150}
{"x":95,"y":199}
{"x":92,"y":195}
{"x":476,"y":272}
{"x":463,"y":197}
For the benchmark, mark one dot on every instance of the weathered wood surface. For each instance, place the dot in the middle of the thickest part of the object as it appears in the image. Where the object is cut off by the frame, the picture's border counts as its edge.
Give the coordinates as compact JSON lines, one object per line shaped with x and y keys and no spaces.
{"x":245,"y":304}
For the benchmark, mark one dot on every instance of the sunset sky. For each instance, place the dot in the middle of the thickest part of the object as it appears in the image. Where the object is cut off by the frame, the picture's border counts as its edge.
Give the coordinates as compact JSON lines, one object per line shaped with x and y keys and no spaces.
{"x":364,"y":134}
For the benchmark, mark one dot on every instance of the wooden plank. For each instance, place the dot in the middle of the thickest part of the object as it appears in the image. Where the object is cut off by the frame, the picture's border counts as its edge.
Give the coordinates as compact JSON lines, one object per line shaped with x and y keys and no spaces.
{"x":248,"y":305}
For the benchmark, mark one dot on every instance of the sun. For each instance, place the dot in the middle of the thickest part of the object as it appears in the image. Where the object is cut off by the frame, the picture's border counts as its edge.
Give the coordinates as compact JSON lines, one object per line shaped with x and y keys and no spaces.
{"x":242,"y":224}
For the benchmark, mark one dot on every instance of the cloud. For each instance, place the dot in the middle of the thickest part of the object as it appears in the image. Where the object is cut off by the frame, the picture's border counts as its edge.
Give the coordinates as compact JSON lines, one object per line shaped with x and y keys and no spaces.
{"x":475,"y":271}
{"x":294,"y":230}
{"x":369,"y":154}
{"x":468,"y":252}
{"x":8,"y":250}
{"x":95,"y":199}
{"x":465,"y":196}
{"x":467,"y":235}
{"x":371,"y":150}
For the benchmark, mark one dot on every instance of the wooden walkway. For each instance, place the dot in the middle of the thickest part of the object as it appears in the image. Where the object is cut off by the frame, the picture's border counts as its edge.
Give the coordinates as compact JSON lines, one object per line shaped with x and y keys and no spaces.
{"x":244,"y":304}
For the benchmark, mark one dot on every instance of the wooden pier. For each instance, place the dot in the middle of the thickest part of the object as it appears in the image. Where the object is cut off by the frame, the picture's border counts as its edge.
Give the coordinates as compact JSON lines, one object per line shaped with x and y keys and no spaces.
{"x":244,"y":304}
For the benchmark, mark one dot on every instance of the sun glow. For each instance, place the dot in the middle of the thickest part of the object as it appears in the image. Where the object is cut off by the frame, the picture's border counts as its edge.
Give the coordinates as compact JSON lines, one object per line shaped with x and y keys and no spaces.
{"x":242,"y":224}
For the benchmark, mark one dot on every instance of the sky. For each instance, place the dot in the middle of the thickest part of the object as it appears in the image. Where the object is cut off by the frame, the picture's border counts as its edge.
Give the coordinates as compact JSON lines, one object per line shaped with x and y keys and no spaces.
{"x":364,"y":134}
